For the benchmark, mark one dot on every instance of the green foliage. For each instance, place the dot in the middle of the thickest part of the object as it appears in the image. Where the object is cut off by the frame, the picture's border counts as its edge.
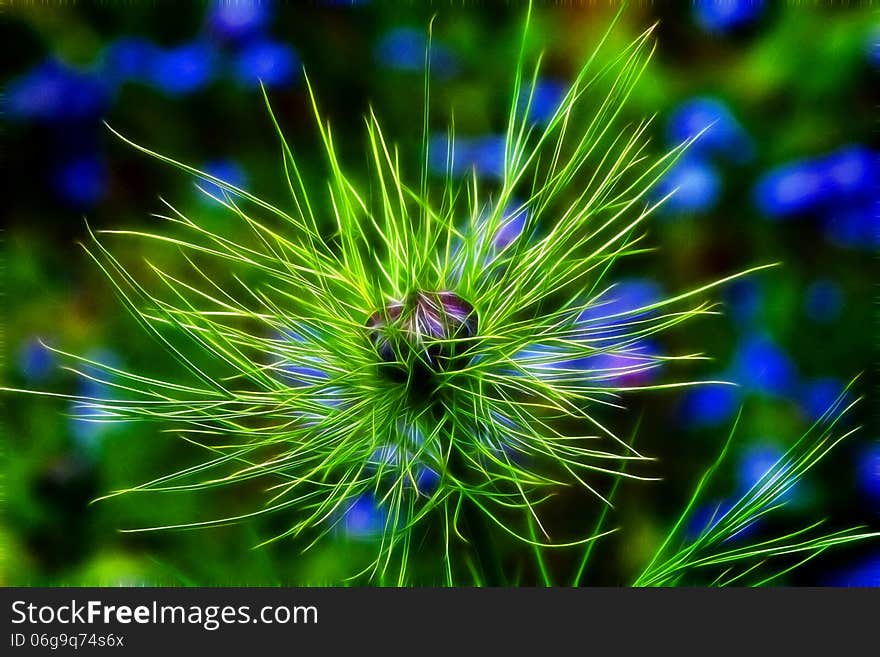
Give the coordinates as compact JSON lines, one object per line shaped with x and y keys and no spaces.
{"x":723,"y":546}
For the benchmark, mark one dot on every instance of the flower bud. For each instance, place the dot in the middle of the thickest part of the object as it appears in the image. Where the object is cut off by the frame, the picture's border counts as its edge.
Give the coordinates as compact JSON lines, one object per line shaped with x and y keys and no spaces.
{"x":429,"y":330}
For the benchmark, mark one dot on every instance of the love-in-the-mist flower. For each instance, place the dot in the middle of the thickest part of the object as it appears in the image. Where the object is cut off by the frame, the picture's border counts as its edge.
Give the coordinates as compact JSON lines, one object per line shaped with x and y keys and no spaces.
{"x":411,"y":361}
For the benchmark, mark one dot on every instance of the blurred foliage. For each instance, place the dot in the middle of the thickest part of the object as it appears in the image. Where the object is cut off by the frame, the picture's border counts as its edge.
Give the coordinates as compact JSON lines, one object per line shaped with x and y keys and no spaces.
{"x":787,"y":173}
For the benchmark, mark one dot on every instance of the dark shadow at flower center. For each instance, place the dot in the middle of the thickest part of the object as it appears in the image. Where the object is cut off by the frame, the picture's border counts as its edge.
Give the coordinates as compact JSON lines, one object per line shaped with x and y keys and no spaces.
{"x":426,"y":334}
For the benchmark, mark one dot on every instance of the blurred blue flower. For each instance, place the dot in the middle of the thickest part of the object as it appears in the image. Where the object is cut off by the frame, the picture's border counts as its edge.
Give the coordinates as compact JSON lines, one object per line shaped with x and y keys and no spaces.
{"x":364,"y":518}
{"x":238,"y":19}
{"x":758,"y":460}
{"x":89,"y":424}
{"x":873,"y":46}
{"x":81,"y":181}
{"x":35,"y":361}
{"x":754,"y":463}
{"x":852,"y":172}
{"x":845,"y":179}
{"x":442,"y":157}
{"x":743,"y":298}
{"x":427,"y":480}
{"x":542,"y":356}
{"x":513,"y":224}
{"x":722,"y":16}
{"x":760,"y":365}
{"x":854,"y":227}
{"x":710,"y":405}
{"x":620,"y":303}
{"x":705,"y":517}
{"x":866,"y":573}
{"x":823,"y":301}
{"x":300,"y":373}
{"x":868,"y":473}
{"x":791,"y":189}
{"x":723,"y":133}
{"x":547,"y":96}
{"x":53,"y":91}
{"x":636,"y":366}
{"x":502,"y":439}
{"x":484,"y":154}
{"x":184,"y":69}
{"x":229,"y":171}
{"x":817,"y":395}
{"x":694,"y":184}
{"x":87,"y":385}
{"x":271,"y":62}
{"x":129,"y":59}
{"x":487,"y":155}
{"x":410,"y":460}
{"x":403,"y":49}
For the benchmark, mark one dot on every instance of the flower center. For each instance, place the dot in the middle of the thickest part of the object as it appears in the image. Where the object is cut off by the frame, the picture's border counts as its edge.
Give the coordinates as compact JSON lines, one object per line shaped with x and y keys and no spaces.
{"x":428,"y":332}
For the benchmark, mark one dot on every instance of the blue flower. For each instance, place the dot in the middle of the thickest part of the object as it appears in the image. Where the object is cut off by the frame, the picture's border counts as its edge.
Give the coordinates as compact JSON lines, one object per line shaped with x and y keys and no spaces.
{"x":226,"y":170}
{"x":88,"y":386}
{"x":546,"y":97}
{"x":723,"y":133}
{"x":722,"y":16}
{"x":756,"y":462}
{"x":184,"y":69}
{"x":307,"y":371}
{"x":271,"y":62}
{"x":622,"y":302}
{"x":90,"y":423}
{"x":844,"y":179}
{"x":364,"y":518}
{"x":408,"y":459}
{"x":512,"y":226}
{"x":868,"y":473}
{"x":35,"y":361}
{"x":705,"y":518}
{"x":694,"y":185}
{"x":52,"y":91}
{"x":710,"y":405}
{"x":852,"y":172}
{"x":873,"y":46}
{"x":427,"y":480}
{"x":238,"y":19}
{"x":744,"y":299}
{"x":818,"y":395}
{"x":761,"y":366}
{"x":792,"y":189}
{"x":631,"y":367}
{"x":487,"y":155}
{"x":403,"y":49}
{"x":855,"y":226}
{"x":129,"y":59}
{"x":823,"y":301}
{"x":484,"y":154}
{"x":866,"y":573}
{"x":81,"y":181}
{"x":510,"y":229}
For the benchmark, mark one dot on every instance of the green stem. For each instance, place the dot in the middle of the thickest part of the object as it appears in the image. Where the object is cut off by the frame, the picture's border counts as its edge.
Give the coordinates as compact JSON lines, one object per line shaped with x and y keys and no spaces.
{"x":480,"y":541}
{"x":476,"y":528}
